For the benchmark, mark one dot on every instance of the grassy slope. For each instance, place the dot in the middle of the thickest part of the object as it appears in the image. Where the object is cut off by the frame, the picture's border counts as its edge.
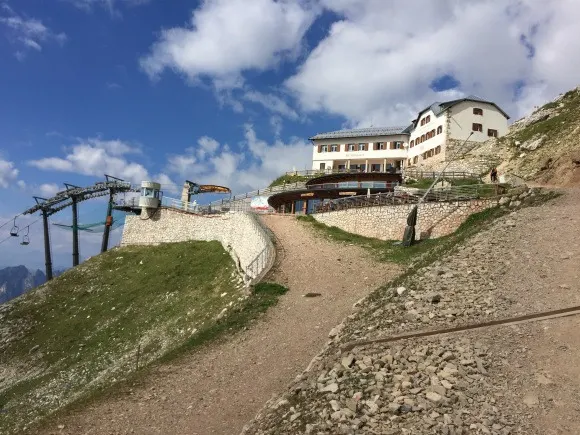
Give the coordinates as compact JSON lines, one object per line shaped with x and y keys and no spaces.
{"x":99,"y":323}
{"x":288,"y":179}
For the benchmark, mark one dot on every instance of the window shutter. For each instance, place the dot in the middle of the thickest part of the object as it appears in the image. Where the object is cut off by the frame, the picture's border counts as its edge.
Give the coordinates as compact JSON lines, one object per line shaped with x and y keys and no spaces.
{"x":375,"y":146}
{"x":319,"y":148}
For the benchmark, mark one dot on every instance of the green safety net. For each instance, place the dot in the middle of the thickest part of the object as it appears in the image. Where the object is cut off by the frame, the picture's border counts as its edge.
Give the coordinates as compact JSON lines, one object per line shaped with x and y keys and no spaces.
{"x":96,"y":227}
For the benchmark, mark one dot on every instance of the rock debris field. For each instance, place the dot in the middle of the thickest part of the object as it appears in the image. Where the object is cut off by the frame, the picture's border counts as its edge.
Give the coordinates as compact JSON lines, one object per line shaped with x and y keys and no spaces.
{"x":501,"y":380}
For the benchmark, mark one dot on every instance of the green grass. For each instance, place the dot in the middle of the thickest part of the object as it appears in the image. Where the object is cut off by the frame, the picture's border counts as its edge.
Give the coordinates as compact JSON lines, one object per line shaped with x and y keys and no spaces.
{"x":567,"y":115}
{"x":106,"y":320}
{"x":289,"y":179}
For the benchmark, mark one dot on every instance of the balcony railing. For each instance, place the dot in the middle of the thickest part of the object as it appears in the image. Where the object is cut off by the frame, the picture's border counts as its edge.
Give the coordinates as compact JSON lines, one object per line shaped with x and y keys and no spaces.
{"x":328,"y":171}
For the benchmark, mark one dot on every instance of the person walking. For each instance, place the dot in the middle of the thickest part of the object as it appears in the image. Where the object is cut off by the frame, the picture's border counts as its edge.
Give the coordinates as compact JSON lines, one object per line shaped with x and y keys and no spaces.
{"x":493,"y":175}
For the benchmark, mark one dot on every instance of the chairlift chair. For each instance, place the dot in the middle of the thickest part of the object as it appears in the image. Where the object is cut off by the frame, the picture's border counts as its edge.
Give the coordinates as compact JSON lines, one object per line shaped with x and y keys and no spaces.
{"x":25,"y":238}
{"x":14,"y":230}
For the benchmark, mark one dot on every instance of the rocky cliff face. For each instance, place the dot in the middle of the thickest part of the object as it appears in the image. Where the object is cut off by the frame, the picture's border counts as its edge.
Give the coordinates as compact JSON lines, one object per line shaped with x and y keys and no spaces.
{"x":15,"y":281}
{"x":544,"y":146}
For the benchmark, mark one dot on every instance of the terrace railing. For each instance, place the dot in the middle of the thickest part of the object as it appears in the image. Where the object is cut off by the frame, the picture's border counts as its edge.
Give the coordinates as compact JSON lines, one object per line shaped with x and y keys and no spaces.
{"x":413,"y":196}
{"x":328,"y":171}
{"x":418,"y":173}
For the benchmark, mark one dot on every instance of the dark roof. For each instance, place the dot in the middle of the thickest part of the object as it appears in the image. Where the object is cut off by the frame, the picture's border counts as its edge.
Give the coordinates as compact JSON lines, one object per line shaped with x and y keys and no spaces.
{"x":439,"y":108}
{"x":361,"y":132}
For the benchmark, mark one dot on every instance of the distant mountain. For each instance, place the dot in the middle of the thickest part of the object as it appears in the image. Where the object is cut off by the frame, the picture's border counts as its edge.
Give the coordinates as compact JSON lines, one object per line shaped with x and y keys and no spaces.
{"x":15,"y":281}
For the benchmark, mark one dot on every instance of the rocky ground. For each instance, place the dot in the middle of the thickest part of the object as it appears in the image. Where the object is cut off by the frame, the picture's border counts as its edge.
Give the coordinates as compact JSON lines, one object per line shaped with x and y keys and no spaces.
{"x":489,"y":381}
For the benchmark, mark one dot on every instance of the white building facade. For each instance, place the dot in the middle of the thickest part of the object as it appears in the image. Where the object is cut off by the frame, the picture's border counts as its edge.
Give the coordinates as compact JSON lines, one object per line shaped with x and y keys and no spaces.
{"x":364,"y":150}
{"x":436,"y":129}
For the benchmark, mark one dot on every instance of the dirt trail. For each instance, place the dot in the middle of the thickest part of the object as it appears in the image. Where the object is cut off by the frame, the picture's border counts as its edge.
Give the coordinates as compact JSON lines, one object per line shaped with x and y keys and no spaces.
{"x":219,"y":389}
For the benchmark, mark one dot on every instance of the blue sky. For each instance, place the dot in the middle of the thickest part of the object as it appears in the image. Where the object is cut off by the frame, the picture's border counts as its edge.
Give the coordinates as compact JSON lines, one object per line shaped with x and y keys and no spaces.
{"x":228,"y":91}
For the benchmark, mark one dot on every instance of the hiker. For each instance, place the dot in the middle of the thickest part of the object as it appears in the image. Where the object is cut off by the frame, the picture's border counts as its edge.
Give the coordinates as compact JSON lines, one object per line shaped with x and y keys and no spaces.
{"x":493,"y":175}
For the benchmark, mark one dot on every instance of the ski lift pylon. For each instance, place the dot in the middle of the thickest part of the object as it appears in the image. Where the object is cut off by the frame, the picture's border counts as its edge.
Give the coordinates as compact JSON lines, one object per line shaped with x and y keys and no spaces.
{"x":25,"y":237}
{"x":14,"y":230}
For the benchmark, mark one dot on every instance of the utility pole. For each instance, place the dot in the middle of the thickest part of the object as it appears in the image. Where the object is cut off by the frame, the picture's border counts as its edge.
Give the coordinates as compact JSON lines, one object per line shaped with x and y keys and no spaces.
{"x":109,"y":217}
{"x":409,"y":235}
{"x":47,"y":255}
{"x":75,"y":224}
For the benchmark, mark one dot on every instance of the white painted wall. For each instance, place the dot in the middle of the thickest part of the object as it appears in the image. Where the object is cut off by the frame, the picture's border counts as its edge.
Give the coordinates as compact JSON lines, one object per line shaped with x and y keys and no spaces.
{"x":358,"y":157}
{"x":429,"y":144}
{"x":462,"y":119}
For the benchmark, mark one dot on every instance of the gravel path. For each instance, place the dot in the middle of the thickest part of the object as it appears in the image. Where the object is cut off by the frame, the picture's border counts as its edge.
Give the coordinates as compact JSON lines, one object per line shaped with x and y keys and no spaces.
{"x":217,"y":390}
{"x":503,"y":380}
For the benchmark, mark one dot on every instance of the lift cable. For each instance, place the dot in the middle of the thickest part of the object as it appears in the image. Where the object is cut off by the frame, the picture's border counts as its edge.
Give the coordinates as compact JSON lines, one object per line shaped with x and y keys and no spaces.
{"x":9,"y":221}
{"x":26,"y":227}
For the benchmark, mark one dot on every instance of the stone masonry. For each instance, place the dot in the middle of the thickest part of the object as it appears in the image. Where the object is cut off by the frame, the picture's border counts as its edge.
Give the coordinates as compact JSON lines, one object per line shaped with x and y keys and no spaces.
{"x":389,"y":222}
{"x":239,"y":233}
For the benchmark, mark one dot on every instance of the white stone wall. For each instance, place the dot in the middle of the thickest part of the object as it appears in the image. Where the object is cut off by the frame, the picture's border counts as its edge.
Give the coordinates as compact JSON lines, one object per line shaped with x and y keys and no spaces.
{"x":389,"y":222}
{"x":239,"y":234}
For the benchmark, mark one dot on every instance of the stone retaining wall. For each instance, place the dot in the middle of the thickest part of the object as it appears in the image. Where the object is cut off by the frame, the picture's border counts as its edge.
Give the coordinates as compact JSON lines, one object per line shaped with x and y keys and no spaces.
{"x":389,"y":222}
{"x":239,"y":233}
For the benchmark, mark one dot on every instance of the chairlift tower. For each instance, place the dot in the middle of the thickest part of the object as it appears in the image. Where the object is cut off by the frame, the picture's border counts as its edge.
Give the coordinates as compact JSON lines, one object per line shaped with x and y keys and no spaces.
{"x":70,"y":197}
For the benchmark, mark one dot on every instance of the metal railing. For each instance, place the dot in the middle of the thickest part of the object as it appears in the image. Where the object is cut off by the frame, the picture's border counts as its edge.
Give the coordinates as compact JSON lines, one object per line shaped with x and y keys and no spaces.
{"x":221,"y":203}
{"x":450,"y":194}
{"x":262,"y":263}
{"x":418,"y":173}
{"x":328,"y":171}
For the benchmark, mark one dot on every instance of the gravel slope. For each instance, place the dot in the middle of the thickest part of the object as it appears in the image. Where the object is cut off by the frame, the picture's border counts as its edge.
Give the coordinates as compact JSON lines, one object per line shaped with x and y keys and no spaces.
{"x":492,"y":381}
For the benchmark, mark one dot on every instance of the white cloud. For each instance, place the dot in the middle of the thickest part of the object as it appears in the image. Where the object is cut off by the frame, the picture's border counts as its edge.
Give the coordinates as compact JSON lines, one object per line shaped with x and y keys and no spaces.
{"x":271,"y":102}
{"x":276,"y":124}
{"x":227,"y":37}
{"x":8,"y":173}
{"x":27,"y":33}
{"x":377,"y":63}
{"x":110,"y":5}
{"x":208,"y":146}
{"x":96,"y":157}
{"x":48,"y":190}
{"x":255,"y":166}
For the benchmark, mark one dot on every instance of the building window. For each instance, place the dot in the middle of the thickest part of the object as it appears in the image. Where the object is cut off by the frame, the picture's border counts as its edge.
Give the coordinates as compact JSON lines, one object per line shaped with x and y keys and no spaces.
{"x":415,"y":159}
{"x":322,"y":166}
{"x":422,"y":138}
{"x":333,"y":148}
{"x":440,"y":129}
{"x":398,"y":145}
{"x":375,"y":167}
{"x":412,"y":144}
{"x":362,"y":146}
{"x":351,"y":147}
{"x":423,"y":121}
{"x":438,"y":149}
{"x":324,"y":148}
{"x":477,"y":111}
{"x":477,"y":127}
{"x":341,"y":167}
{"x":428,"y":119}
{"x":491,"y":133}
{"x":433,"y":133}
{"x":382,"y":146}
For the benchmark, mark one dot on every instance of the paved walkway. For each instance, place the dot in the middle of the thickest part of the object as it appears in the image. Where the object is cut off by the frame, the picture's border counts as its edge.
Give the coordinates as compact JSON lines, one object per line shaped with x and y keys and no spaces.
{"x":219,"y":389}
